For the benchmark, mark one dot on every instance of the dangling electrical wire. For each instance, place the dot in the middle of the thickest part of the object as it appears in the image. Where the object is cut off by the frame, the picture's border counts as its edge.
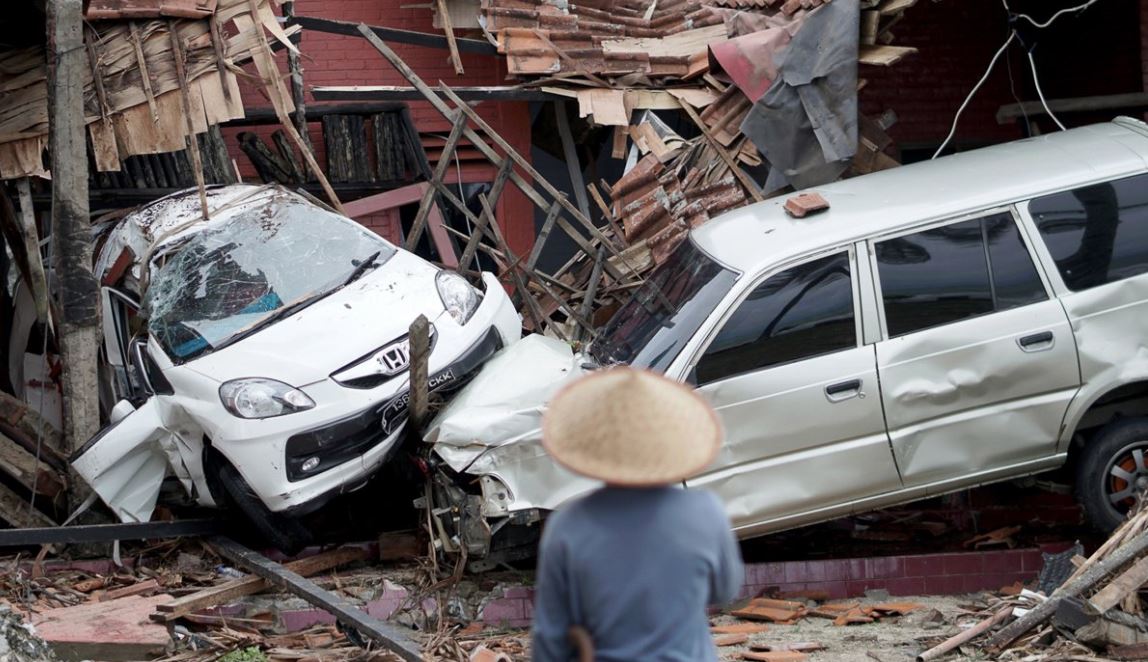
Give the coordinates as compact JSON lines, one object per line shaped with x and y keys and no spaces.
{"x":1055,"y":16}
{"x":957,"y":117}
{"x":1036,"y":82}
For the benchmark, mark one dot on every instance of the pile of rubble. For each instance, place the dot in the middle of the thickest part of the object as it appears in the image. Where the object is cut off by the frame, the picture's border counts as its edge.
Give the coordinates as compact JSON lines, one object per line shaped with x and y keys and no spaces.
{"x":1093,"y":609}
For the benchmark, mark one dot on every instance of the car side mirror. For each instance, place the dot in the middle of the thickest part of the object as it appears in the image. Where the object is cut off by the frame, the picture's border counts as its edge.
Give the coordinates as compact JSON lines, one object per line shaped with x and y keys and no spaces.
{"x":122,"y":410}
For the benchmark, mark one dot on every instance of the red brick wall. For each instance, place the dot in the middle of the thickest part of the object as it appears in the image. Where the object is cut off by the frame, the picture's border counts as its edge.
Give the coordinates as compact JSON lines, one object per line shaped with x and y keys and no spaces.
{"x":1097,"y":52}
{"x":342,"y":60}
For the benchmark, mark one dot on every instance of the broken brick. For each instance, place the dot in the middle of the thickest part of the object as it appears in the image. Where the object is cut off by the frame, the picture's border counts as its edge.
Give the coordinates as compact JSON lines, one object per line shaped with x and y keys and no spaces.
{"x":739,"y":628}
{"x":730,"y":640}
{"x":803,"y":204}
{"x":774,"y":656}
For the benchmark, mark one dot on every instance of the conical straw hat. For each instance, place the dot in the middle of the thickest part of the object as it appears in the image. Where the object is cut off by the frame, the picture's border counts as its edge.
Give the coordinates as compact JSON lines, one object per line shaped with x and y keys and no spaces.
{"x":631,"y":427}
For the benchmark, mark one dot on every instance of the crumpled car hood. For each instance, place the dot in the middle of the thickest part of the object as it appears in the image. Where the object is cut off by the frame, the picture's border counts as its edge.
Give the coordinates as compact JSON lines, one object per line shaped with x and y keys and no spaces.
{"x":336,"y":330}
{"x":494,"y":425}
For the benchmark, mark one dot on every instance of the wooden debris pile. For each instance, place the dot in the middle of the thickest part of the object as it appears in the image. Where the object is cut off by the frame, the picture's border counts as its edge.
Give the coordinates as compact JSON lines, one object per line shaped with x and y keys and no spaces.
{"x":788,"y":612}
{"x":1097,"y":613}
{"x":150,"y":83}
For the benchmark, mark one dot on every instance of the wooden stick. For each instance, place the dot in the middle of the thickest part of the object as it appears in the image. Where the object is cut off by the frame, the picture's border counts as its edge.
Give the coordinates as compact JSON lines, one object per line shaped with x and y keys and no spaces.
{"x":472,"y":243}
{"x":268,"y":73}
{"x":458,"y":126}
{"x":573,"y":165}
{"x":543,"y":234}
{"x":419,"y":367}
{"x":145,"y":75}
{"x":192,"y":141}
{"x":968,"y":635}
{"x":452,"y":44}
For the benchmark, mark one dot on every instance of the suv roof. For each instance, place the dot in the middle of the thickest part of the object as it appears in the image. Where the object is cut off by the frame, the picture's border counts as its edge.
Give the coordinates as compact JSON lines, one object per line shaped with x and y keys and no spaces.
{"x":752,"y":238}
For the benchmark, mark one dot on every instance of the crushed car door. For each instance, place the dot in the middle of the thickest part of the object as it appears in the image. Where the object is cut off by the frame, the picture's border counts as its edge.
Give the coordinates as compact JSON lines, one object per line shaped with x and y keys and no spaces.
{"x":797,"y":393}
{"x":978,"y":364}
{"x":125,"y":463}
{"x":120,"y":317}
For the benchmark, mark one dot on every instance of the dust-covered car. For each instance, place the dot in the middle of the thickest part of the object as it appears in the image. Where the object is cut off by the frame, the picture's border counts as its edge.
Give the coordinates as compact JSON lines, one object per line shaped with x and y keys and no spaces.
{"x":261,"y":357}
{"x":942,"y":325}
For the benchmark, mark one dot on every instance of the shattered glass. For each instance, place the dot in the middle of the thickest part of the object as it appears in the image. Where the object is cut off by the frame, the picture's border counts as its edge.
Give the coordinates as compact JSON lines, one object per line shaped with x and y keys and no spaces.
{"x":265,"y":262}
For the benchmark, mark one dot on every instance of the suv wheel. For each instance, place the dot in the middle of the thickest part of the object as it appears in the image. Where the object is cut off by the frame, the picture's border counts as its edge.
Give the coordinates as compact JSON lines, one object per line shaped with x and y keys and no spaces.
{"x":1113,"y":471}
{"x":284,"y":533}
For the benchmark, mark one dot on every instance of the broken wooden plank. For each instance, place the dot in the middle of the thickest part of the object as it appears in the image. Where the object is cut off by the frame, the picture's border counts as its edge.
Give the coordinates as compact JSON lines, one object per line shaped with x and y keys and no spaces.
{"x":451,"y":42}
{"x":1127,"y":583}
{"x":16,"y":510}
{"x":114,"y":630}
{"x":883,"y":55}
{"x":388,"y":636}
{"x":238,"y":588}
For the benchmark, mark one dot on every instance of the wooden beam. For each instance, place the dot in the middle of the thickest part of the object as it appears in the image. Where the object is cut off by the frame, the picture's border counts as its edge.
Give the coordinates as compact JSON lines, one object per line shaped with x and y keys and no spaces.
{"x":387,"y":636}
{"x":1132,"y":101}
{"x":401,"y":93}
{"x":396,"y":35}
{"x":250,"y":585}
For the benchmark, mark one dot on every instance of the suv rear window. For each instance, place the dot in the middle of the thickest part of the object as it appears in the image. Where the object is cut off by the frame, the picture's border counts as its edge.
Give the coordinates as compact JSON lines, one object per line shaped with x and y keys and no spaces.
{"x":955,"y":272}
{"x":1096,"y":234}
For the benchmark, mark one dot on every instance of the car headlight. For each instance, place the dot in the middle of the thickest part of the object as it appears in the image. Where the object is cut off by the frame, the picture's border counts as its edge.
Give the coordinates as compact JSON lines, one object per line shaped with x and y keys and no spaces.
{"x":458,"y":297}
{"x":255,"y":397}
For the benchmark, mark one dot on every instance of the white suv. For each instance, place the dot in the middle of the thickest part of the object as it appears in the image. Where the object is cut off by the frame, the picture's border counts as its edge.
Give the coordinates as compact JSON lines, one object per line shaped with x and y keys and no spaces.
{"x":946,"y":324}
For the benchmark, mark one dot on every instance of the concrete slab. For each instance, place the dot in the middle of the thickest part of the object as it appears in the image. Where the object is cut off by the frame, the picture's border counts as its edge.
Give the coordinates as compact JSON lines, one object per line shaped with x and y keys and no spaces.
{"x":113,"y":631}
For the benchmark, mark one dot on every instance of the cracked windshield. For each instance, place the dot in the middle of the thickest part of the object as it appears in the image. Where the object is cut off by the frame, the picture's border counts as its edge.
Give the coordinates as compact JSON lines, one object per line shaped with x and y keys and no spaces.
{"x":261,"y":264}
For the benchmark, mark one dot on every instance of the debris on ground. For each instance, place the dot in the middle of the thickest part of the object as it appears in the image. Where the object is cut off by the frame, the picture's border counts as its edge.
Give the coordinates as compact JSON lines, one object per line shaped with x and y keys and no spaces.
{"x":18,"y":640}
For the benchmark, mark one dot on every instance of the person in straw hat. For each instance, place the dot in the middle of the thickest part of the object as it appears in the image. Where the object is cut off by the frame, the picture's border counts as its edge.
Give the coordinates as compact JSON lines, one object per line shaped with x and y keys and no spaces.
{"x":636,"y":563}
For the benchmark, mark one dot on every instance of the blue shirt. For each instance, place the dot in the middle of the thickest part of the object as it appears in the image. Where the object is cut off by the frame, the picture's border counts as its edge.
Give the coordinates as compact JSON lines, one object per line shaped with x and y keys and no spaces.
{"x":637,"y":568}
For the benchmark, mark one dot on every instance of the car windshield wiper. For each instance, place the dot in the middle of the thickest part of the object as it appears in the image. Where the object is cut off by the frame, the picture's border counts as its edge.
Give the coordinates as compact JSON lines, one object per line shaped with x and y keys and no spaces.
{"x":361,"y":268}
{"x":285,"y":311}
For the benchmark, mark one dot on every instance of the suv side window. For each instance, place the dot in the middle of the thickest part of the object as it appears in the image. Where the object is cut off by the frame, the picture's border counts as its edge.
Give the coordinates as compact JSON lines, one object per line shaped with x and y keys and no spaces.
{"x":1096,"y":234}
{"x":955,"y":272}
{"x":802,"y":312}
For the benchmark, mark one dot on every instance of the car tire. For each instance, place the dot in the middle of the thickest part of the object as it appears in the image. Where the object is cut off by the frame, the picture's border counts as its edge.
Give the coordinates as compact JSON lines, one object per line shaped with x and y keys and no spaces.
{"x":283,"y":533}
{"x":1113,"y":463}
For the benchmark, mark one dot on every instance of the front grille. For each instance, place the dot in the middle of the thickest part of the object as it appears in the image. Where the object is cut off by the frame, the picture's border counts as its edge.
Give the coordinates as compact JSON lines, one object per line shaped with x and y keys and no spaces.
{"x":353,"y":436}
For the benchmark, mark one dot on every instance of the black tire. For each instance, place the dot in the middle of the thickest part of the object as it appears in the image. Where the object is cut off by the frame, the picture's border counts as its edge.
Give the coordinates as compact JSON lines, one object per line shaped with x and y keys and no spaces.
{"x":283,"y":533}
{"x":1106,"y":457}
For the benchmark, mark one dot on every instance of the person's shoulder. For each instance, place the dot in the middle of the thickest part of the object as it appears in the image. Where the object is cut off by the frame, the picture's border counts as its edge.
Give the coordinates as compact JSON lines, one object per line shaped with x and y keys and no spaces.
{"x":706,"y":503}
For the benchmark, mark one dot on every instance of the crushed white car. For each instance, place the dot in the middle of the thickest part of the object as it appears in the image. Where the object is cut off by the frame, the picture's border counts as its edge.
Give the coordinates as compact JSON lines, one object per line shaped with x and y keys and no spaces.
{"x":261,"y":357}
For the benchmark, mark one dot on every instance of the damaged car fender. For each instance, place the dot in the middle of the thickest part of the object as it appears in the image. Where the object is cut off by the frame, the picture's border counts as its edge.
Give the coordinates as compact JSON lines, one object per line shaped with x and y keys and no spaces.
{"x":493,"y":428}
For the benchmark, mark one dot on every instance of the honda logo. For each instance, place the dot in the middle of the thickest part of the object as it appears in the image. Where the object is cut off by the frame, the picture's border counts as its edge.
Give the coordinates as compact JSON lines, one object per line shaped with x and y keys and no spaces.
{"x":396,"y":357}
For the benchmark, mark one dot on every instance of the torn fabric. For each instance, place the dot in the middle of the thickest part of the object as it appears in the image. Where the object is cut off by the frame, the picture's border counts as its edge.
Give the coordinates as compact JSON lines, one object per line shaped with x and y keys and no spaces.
{"x":805,"y":125}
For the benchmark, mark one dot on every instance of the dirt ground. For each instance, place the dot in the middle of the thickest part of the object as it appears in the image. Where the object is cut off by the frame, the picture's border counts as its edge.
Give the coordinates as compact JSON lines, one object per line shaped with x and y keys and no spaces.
{"x":889,"y":640}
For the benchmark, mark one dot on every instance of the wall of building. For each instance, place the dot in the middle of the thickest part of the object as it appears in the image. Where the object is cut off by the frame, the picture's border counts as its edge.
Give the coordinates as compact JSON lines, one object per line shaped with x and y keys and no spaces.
{"x":343,"y":60}
{"x":1099,"y":51}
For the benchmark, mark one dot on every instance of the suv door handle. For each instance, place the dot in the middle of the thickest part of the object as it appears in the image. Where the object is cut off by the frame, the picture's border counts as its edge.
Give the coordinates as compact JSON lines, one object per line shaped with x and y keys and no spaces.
{"x":844,"y":390}
{"x":1037,"y":342}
